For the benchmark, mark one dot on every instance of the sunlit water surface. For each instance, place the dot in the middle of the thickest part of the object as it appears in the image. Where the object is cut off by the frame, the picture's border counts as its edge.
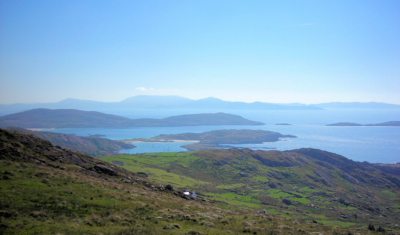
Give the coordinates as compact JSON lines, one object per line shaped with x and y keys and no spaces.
{"x":372,"y":144}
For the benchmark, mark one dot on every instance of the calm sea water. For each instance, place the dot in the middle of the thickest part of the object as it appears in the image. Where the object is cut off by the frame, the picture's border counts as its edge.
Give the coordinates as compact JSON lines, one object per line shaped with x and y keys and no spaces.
{"x":372,"y":144}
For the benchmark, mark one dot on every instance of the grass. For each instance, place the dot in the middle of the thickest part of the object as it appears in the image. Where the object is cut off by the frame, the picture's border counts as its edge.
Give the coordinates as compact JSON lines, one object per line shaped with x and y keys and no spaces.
{"x":230,"y":186}
{"x":43,"y":200}
{"x":239,"y":179}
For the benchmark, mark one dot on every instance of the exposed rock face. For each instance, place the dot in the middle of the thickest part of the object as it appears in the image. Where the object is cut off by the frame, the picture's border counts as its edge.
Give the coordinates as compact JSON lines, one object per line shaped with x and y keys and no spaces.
{"x":344,"y":202}
{"x":271,"y":162}
{"x":105,"y":170}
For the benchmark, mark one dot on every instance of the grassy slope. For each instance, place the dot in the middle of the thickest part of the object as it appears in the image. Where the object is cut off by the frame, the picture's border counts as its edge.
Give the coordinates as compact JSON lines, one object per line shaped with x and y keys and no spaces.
{"x":236,"y":177}
{"x":50,"y":190}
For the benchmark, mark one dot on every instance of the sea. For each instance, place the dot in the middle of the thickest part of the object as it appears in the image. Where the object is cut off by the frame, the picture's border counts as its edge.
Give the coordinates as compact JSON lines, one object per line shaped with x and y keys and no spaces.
{"x":371,"y":144}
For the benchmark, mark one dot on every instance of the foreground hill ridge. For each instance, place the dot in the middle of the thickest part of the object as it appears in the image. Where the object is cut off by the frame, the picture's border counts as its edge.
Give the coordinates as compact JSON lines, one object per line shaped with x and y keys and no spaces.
{"x":48,"y":189}
{"x":71,"y":118}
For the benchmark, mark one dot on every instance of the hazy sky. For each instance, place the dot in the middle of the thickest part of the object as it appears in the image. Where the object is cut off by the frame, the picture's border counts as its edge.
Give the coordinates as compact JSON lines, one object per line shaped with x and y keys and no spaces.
{"x":271,"y":51}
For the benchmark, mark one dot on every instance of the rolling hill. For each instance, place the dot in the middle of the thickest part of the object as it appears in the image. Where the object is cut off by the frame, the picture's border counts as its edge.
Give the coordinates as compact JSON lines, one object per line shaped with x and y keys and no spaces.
{"x":47,"y":189}
{"x":302,"y":184}
{"x":70,"y":118}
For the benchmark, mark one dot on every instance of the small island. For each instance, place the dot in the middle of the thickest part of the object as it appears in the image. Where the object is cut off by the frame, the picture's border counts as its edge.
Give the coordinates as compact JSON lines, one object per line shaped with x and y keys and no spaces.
{"x":391,"y":123}
{"x":217,"y":139}
{"x":283,"y":124}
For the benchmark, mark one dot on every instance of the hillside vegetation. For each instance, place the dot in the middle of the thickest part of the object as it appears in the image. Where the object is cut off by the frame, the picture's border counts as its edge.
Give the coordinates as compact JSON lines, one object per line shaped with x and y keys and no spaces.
{"x":47,"y":189}
{"x":71,"y":118}
{"x":303,"y":184}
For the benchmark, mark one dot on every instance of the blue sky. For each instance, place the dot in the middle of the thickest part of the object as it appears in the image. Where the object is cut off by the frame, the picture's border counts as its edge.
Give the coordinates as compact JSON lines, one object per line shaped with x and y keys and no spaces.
{"x":270,"y":51}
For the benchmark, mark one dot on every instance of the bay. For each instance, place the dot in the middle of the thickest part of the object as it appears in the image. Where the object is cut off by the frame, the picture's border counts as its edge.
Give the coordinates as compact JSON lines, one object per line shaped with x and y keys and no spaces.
{"x":372,"y":144}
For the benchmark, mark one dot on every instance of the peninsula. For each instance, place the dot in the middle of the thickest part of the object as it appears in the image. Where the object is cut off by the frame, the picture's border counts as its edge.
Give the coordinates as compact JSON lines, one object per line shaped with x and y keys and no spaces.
{"x":93,"y":145}
{"x":216,"y":139}
{"x":72,"y":118}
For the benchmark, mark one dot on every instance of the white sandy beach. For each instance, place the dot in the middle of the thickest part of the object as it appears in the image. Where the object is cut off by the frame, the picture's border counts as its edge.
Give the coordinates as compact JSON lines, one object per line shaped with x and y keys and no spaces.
{"x":163,"y":141}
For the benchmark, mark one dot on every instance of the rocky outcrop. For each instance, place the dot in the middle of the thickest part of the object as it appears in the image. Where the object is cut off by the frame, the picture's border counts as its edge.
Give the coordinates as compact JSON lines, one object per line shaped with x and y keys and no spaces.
{"x":105,"y":170}
{"x":271,"y":162}
{"x":286,"y":201}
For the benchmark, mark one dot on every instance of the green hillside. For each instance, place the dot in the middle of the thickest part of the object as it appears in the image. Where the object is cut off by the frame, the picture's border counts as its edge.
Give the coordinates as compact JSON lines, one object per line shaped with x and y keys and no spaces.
{"x":46,"y":189}
{"x":304,"y":184}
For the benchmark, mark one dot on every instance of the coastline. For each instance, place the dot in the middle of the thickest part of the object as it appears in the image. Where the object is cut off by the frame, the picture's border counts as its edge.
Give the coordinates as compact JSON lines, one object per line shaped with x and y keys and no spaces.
{"x":40,"y":129}
{"x":161,"y":141}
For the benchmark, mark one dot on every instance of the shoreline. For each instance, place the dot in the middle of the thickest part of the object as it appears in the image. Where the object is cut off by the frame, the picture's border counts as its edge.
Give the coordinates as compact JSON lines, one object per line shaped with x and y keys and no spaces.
{"x":162,"y":141}
{"x":40,"y":129}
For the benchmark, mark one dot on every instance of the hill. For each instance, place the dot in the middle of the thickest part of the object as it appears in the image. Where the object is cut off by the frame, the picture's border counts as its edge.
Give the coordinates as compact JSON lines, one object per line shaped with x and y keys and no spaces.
{"x":391,"y":123}
{"x":302,"y":184}
{"x":93,"y":146}
{"x":51,"y":190}
{"x":70,"y":118}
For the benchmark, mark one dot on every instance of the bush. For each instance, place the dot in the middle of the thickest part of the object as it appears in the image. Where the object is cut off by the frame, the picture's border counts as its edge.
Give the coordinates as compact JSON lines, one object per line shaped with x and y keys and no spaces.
{"x":371,"y":227}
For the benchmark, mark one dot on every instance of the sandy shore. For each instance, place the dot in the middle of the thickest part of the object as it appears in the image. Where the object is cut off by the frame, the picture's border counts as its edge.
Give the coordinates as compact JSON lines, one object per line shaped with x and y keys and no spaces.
{"x":40,"y":129}
{"x":163,"y":141}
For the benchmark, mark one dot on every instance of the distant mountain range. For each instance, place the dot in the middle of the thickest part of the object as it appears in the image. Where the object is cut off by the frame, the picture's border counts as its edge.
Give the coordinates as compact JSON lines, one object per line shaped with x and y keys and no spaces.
{"x":178,"y":102}
{"x":71,"y":118}
{"x":151,"y":102}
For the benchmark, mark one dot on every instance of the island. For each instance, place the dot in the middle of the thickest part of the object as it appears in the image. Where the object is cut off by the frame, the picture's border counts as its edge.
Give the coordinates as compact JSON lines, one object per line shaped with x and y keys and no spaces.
{"x":391,"y":123}
{"x":71,"y":118}
{"x":217,"y":139}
